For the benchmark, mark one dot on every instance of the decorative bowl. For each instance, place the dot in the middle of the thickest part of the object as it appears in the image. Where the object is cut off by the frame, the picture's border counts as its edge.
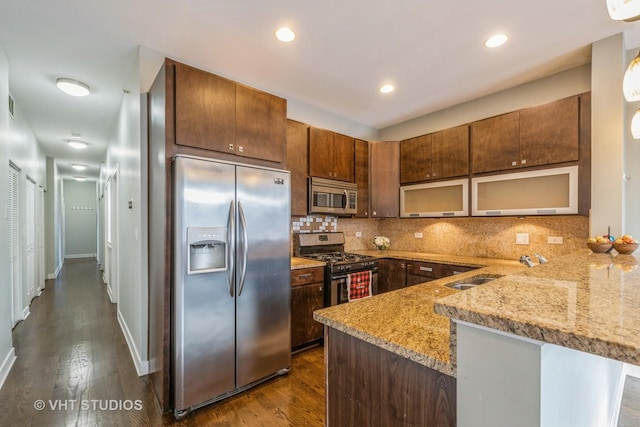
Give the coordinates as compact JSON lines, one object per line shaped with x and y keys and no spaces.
{"x":625,"y":248}
{"x":599,"y":248}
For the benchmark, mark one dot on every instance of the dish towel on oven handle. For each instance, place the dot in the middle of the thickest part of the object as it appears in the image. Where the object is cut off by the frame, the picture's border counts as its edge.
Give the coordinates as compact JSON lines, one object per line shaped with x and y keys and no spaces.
{"x":359,"y":285}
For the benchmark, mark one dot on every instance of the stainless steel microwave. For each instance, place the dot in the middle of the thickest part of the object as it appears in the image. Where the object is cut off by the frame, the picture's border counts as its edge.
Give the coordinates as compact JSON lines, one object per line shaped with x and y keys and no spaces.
{"x":334,"y":197}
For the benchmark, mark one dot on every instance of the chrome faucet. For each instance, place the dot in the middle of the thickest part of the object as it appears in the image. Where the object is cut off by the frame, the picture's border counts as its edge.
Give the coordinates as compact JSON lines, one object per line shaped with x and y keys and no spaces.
{"x":541,"y":259}
{"x":524,"y":259}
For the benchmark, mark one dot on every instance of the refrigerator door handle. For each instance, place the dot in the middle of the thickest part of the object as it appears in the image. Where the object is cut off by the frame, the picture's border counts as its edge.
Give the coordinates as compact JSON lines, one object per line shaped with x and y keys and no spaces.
{"x":245,"y":247}
{"x":232,"y":247}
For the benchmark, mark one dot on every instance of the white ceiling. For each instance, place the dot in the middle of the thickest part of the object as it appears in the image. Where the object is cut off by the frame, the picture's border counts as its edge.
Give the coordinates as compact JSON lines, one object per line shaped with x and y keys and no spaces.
{"x":432,"y":51}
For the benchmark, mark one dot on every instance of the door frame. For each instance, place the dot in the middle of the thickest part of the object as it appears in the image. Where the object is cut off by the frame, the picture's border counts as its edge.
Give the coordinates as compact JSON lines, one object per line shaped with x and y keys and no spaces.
{"x":15,"y":255}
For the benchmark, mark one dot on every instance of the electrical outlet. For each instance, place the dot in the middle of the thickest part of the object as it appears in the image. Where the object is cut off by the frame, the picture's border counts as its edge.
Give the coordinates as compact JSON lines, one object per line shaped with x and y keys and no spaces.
{"x":555,"y":240}
{"x":358,"y":233}
{"x":522,"y":238}
{"x":417,"y":235}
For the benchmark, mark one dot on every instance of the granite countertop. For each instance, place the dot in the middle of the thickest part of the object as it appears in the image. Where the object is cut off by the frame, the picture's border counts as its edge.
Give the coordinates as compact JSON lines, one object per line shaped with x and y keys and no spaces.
{"x":298,"y":263}
{"x":584,"y":301}
{"x":404,"y":321}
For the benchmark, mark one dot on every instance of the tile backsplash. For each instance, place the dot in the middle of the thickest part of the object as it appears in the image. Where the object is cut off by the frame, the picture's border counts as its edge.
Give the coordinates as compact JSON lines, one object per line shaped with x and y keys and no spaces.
{"x":490,"y":237}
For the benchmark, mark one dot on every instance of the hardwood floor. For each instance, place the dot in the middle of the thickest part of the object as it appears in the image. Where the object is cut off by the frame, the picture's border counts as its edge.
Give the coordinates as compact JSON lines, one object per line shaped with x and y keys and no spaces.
{"x":73,"y":358}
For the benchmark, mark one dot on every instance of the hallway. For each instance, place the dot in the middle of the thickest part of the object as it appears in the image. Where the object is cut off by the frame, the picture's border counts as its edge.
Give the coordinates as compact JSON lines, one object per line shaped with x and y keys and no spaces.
{"x":72,"y":360}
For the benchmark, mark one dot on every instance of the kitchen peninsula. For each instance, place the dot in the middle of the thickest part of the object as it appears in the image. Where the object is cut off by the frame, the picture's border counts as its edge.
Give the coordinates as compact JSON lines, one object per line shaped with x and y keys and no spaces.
{"x":541,"y":346}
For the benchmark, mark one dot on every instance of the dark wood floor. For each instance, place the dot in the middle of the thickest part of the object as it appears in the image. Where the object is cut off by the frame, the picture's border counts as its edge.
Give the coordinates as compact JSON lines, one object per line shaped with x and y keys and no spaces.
{"x":71,"y":351}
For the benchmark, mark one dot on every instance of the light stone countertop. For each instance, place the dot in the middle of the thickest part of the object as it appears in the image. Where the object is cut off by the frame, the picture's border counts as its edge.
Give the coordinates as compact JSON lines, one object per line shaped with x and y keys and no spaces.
{"x":298,"y":263}
{"x":404,"y":321}
{"x":584,"y":301}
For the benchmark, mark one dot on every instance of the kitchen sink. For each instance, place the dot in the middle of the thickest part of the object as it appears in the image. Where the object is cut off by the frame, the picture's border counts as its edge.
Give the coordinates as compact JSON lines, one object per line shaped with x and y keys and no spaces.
{"x":472,"y":282}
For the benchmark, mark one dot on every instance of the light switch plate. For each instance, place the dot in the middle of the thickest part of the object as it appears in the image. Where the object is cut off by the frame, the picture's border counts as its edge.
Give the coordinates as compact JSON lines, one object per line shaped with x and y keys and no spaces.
{"x":358,"y":233}
{"x":522,"y":238}
{"x":555,"y":240}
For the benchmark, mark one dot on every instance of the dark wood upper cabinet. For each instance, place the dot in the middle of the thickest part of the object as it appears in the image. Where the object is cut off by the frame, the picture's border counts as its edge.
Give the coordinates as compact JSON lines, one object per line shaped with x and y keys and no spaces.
{"x":384,"y":197}
{"x":415,"y":159}
{"x":495,"y":143}
{"x":450,"y":152}
{"x":362,"y":177}
{"x":217,"y":114}
{"x":549,"y":133}
{"x":205,"y":109}
{"x":443,"y":154}
{"x":541,"y":135}
{"x":260,"y":124}
{"x":331,"y":155}
{"x":297,"y":163}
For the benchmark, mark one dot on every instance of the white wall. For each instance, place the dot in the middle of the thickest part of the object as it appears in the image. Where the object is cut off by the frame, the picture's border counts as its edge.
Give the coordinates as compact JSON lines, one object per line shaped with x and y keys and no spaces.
{"x":124,"y":156}
{"x":80,"y":201}
{"x":7,"y":353}
{"x":17,"y":145}
{"x":54,"y":252}
{"x":631,"y":168}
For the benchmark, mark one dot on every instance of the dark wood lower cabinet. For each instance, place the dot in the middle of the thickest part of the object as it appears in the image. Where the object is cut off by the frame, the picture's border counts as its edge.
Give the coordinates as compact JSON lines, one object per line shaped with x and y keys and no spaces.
{"x":370,"y":386}
{"x":304,"y":301}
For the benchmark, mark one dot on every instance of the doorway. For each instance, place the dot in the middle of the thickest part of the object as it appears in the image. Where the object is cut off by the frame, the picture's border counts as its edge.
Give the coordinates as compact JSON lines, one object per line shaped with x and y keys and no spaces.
{"x":111,"y":237}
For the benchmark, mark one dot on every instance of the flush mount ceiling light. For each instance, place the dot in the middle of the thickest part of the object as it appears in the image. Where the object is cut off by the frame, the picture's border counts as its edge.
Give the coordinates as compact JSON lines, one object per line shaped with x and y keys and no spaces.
{"x":79,"y":178}
{"x":624,"y":10}
{"x":387,"y":88}
{"x":73,"y":87}
{"x":635,"y":125}
{"x":496,"y":40}
{"x":285,"y":34}
{"x":78,"y":145}
{"x":631,"y":81}
{"x":79,"y":167}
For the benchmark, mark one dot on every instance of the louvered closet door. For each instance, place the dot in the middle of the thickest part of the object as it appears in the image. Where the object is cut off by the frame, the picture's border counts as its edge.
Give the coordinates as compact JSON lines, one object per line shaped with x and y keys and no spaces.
{"x":14,"y":244}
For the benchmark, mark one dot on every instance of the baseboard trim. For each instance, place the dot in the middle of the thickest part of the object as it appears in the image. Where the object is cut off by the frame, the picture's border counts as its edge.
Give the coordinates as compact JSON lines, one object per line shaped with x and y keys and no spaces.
{"x":6,"y":366}
{"x":54,"y":275}
{"x":142,"y":366}
{"x":111,"y":298}
{"x":25,"y":313}
{"x":80,"y":256}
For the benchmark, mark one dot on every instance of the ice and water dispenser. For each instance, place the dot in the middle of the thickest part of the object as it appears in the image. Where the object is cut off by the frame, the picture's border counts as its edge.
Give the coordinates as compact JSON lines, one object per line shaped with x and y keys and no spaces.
{"x":207,"y":249}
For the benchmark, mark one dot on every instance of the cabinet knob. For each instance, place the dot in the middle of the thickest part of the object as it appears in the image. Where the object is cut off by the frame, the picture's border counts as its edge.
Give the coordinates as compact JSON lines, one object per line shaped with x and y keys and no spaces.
{"x":320,"y":289}
{"x":428,"y":175}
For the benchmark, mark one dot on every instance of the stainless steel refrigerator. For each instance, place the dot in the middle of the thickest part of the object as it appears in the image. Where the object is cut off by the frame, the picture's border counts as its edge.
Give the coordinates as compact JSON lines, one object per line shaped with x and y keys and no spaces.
{"x":232,"y":279}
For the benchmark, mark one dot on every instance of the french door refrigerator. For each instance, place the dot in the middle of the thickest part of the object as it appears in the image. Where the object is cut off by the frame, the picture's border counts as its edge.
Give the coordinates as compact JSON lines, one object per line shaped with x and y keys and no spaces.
{"x":232,"y":279}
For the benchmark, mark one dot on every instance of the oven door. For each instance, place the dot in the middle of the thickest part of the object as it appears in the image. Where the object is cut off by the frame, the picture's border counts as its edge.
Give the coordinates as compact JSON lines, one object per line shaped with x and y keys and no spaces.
{"x":339,"y":294}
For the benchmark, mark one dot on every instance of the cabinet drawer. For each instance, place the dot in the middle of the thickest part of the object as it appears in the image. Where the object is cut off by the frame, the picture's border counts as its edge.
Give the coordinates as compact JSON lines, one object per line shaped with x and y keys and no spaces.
{"x":305,"y":276}
{"x":450,"y":270}
{"x":424,"y":269}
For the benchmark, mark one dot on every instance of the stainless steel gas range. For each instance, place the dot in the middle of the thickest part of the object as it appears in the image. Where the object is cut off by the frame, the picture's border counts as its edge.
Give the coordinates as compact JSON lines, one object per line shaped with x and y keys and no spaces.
{"x":329,"y":247}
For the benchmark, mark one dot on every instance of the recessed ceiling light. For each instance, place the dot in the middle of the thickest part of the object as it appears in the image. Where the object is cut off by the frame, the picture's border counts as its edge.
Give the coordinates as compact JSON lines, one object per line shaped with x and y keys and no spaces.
{"x":78,"y":145}
{"x":79,"y":167}
{"x":285,"y":34}
{"x":387,"y":88}
{"x":79,"y":178}
{"x":496,"y":40}
{"x":73,"y":87}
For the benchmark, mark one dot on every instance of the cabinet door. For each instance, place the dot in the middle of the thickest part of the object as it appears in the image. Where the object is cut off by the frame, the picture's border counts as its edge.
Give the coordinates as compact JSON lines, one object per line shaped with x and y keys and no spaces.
{"x":205,"y":109}
{"x":495,"y":143}
{"x":415,"y":159}
{"x":260,"y":125}
{"x":297,"y":163}
{"x":384,"y":198}
{"x":450,"y":148}
{"x":549,"y":133}
{"x":362,"y":177}
{"x":392,"y":275}
{"x":321,"y":153}
{"x":343,"y":158}
{"x":304,"y":301}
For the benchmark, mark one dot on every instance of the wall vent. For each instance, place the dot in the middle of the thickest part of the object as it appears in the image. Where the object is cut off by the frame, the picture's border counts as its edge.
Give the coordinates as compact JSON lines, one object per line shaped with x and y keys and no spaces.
{"x":11,"y":106}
